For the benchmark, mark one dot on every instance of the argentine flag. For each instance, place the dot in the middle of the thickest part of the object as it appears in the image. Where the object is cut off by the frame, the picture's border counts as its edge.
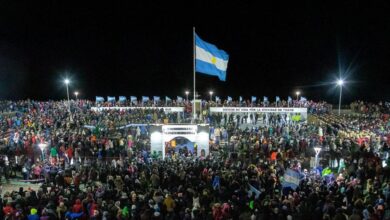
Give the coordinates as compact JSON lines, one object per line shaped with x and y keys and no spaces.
{"x":229,"y":99}
{"x":99,"y":99}
{"x":254,"y":98}
{"x":210,"y":60}
{"x":133,"y":99}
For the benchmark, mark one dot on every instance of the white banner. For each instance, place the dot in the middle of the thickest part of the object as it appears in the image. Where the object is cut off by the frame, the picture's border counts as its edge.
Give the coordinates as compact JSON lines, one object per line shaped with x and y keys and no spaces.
{"x":265,"y":110}
{"x":166,"y":109}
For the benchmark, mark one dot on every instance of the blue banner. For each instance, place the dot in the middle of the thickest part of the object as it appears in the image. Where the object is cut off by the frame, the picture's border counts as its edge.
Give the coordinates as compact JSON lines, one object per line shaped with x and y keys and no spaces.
{"x":133,"y":99}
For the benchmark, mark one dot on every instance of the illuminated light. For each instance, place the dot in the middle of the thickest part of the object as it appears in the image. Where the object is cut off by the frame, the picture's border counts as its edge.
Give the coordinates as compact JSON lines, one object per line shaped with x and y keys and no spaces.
{"x":203,"y":137}
{"x":340,"y":82}
{"x":66,"y":81}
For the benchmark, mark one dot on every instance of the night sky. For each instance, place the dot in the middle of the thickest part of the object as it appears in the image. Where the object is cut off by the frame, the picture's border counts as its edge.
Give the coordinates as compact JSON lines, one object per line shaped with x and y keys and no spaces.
{"x":124,"y":48}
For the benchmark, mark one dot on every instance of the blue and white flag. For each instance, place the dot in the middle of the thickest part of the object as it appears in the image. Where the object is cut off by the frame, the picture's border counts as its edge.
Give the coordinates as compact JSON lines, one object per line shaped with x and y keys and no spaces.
{"x":277,"y":99}
{"x":133,"y":99}
{"x":240,"y":98}
{"x":145,"y":98}
{"x":210,"y":60}
{"x":251,"y":190}
{"x":167,"y":99}
{"x":265,"y":99}
{"x":291,"y":179}
{"x":303,"y":99}
{"x":99,"y":99}
{"x":217,"y":99}
{"x":229,"y":99}
{"x":110,"y":98}
{"x":156,"y":98}
{"x":179,"y":99}
{"x":122,"y":98}
{"x":289,"y":99}
{"x":254,"y":98}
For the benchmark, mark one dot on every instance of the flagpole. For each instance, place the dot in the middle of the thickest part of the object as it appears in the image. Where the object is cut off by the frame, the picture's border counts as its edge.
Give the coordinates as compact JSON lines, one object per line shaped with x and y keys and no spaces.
{"x":194,"y":56}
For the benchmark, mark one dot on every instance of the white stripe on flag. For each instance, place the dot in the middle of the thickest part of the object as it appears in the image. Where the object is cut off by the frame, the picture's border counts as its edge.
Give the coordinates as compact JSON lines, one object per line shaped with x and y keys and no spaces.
{"x":203,"y":55}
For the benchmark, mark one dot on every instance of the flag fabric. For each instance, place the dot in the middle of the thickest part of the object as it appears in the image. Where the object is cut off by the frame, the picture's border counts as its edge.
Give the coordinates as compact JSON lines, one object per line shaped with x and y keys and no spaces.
{"x":277,"y":99}
{"x":156,"y":98}
{"x":303,"y":99}
{"x":291,"y":179}
{"x":111,"y":98}
{"x":133,"y":98}
{"x":254,"y":98}
{"x":326,"y":171}
{"x":216,"y":183}
{"x":251,"y":190}
{"x":99,"y":99}
{"x":122,"y":98}
{"x":167,"y":99}
{"x":210,"y":60}
{"x":217,"y":99}
{"x":240,"y":98}
{"x":179,"y":99}
{"x":229,"y":99}
{"x":145,"y":98}
{"x":265,"y":99}
{"x":289,"y":99}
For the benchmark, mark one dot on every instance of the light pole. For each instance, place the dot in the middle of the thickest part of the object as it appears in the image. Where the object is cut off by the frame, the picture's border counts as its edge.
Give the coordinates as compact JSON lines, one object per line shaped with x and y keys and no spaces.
{"x":297,"y":93}
{"x":211,"y":95}
{"x":76,"y":94}
{"x":66,"y":81}
{"x":340,"y":83}
{"x":42,"y":146}
{"x":187,"y":92}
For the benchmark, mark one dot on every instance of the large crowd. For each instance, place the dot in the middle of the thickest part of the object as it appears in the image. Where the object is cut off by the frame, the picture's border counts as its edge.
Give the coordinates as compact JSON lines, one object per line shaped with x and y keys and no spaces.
{"x":98,"y":164}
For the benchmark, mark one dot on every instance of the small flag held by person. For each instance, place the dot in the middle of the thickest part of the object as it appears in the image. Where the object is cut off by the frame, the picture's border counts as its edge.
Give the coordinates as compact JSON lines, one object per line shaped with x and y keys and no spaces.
{"x":277,"y":99}
{"x":167,"y":99}
{"x":179,"y":99}
{"x":217,"y":99}
{"x":240,"y":99}
{"x":289,"y":99}
{"x":291,"y":179}
{"x":145,"y":98}
{"x":229,"y":99}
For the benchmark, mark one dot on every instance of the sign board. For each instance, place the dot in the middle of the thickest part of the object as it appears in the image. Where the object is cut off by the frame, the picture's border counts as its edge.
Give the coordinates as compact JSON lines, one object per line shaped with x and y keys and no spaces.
{"x":166,"y":109}
{"x":258,"y":109}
